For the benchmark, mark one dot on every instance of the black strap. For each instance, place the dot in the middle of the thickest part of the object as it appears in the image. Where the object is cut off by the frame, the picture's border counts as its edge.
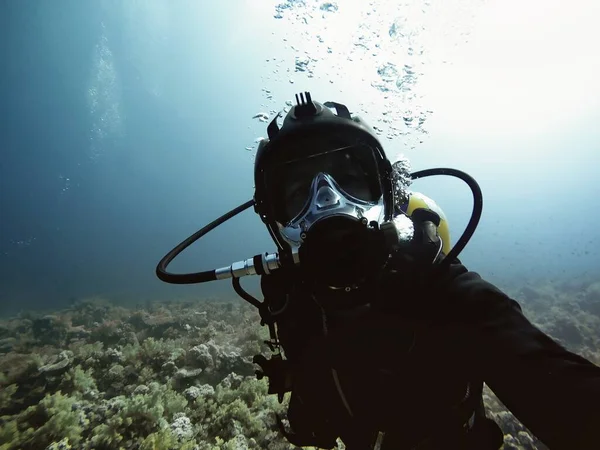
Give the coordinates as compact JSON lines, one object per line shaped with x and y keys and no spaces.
{"x":305,"y":439}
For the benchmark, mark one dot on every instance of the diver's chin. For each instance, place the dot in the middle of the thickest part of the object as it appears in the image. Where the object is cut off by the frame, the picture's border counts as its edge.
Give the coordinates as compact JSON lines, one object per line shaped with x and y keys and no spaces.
{"x":341,"y":253}
{"x":341,"y":302}
{"x":334,"y":275}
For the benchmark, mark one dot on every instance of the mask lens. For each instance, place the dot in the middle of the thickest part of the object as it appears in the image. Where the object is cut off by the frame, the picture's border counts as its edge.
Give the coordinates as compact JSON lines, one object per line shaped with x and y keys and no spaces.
{"x":353,"y":168}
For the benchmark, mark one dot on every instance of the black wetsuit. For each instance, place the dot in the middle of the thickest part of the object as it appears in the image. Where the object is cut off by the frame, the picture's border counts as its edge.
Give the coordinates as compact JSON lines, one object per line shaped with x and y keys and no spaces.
{"x":412,"y":363}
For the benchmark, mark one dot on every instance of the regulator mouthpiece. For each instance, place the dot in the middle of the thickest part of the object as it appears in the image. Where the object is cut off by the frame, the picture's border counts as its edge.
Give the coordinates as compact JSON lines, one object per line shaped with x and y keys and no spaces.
{"x":342,"y":251}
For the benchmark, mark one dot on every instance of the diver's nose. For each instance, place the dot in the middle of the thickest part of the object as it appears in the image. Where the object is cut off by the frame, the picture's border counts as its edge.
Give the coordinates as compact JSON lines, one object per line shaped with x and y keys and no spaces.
{"x":326,"y":198}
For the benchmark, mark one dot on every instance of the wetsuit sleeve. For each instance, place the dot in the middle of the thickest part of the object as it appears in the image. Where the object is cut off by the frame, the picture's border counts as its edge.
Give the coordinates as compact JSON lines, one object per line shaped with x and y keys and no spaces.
{"x":552,"y":391}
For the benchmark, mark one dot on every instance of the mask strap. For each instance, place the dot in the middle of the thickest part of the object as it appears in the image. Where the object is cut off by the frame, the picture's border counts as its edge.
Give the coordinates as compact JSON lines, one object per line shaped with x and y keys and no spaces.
{"x":341,"y":110}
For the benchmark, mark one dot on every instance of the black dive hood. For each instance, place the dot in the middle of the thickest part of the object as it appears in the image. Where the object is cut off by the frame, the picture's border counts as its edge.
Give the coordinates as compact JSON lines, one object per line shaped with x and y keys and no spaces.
{"x":308,"y":128}
{"x":315,"y":120}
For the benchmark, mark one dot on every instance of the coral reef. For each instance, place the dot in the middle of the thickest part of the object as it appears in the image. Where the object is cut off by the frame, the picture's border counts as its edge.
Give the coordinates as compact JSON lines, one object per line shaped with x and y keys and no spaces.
{"x":172,"y":376}
{"x":179,"y":375}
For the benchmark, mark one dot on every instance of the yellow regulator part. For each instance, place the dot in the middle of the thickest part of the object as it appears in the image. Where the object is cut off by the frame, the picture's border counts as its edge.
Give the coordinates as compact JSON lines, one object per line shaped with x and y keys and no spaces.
{"x":418,"y":200}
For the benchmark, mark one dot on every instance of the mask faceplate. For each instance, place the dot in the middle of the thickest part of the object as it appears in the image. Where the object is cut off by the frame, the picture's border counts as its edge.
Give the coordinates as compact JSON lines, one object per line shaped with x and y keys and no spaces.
{"x":327,"y":199}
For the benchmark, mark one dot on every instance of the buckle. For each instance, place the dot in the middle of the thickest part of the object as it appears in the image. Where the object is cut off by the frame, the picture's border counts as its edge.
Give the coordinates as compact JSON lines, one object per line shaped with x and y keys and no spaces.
{"x":468,"y":425}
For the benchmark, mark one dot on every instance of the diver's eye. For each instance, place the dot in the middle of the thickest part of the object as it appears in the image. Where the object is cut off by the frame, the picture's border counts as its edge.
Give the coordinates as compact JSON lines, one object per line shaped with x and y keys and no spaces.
{"x":356,"y":185}
{"x":295,"y":197}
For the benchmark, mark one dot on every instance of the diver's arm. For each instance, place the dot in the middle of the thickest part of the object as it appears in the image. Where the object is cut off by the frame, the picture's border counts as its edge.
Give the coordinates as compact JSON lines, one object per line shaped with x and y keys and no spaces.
{"x":554,"y":392}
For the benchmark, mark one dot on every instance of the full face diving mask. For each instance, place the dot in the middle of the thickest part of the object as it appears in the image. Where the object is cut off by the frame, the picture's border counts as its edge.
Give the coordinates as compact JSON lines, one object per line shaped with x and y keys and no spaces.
{"x":322,"y":182}
{"x":327,"y":207}
{"x":342,"y":182}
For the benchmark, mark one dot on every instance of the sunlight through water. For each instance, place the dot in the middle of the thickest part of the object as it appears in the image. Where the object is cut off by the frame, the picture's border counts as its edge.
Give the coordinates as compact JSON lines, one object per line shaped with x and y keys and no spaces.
{"x":378,"y":48}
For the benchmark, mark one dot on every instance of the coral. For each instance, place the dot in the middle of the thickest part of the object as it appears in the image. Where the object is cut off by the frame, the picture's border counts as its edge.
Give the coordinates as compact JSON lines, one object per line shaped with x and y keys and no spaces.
{"x":87,"y":354}
{"x":182,"y":427}
{"x":63,"y":444}
{"x":193,"y":392}
{"x":50,"y":330}
{"x":7,"y":344}
{"x":591,"y":302}
{"x":199,"y":356}
{"x":159,"y":323}
{"x":565,"y":330}
{"x":153,"y":353}
{"x":9,"y":433}
{"x":55,"y":418}
{"x":142,"y":414}
{"x":6,"y":394}
{"x":166,"y":440}
{"x":109,"y":332}
{"x":516,"y":435}
{"x":78,"y":380}
{"x":88,"y":312}
{"x":228,"y":412}
{"x":108,"y":390}
{"x":114,"y":355}
{"x":59,"y":365}
{"x":18,"y":366}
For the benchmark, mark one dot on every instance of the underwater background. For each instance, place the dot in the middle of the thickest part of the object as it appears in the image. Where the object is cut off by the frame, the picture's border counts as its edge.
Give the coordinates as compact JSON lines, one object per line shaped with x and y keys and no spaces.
{"x":125,"y":126}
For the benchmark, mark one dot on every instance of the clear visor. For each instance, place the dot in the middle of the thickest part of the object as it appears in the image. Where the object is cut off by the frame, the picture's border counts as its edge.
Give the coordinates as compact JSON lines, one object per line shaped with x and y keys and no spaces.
{"x":354,"y":169}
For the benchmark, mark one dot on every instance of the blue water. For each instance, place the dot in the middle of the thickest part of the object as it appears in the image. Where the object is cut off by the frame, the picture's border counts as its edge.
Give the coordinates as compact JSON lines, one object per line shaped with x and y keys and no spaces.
{"x":124,"y":128}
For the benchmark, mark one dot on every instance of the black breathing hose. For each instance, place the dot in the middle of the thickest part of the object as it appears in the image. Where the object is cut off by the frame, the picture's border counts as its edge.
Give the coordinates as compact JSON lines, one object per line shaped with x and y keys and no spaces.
{"x":475,"y":215}
{"x":198,"y":277}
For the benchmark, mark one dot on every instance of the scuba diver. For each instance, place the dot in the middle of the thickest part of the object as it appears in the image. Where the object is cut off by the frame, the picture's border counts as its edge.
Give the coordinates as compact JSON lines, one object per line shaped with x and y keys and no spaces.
{"x":380,"y":334}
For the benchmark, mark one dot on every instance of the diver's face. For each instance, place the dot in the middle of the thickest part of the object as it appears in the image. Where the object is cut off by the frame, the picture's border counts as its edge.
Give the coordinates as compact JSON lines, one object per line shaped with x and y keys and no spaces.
{"x":297,"y":194}
{"x":354,"y":174}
